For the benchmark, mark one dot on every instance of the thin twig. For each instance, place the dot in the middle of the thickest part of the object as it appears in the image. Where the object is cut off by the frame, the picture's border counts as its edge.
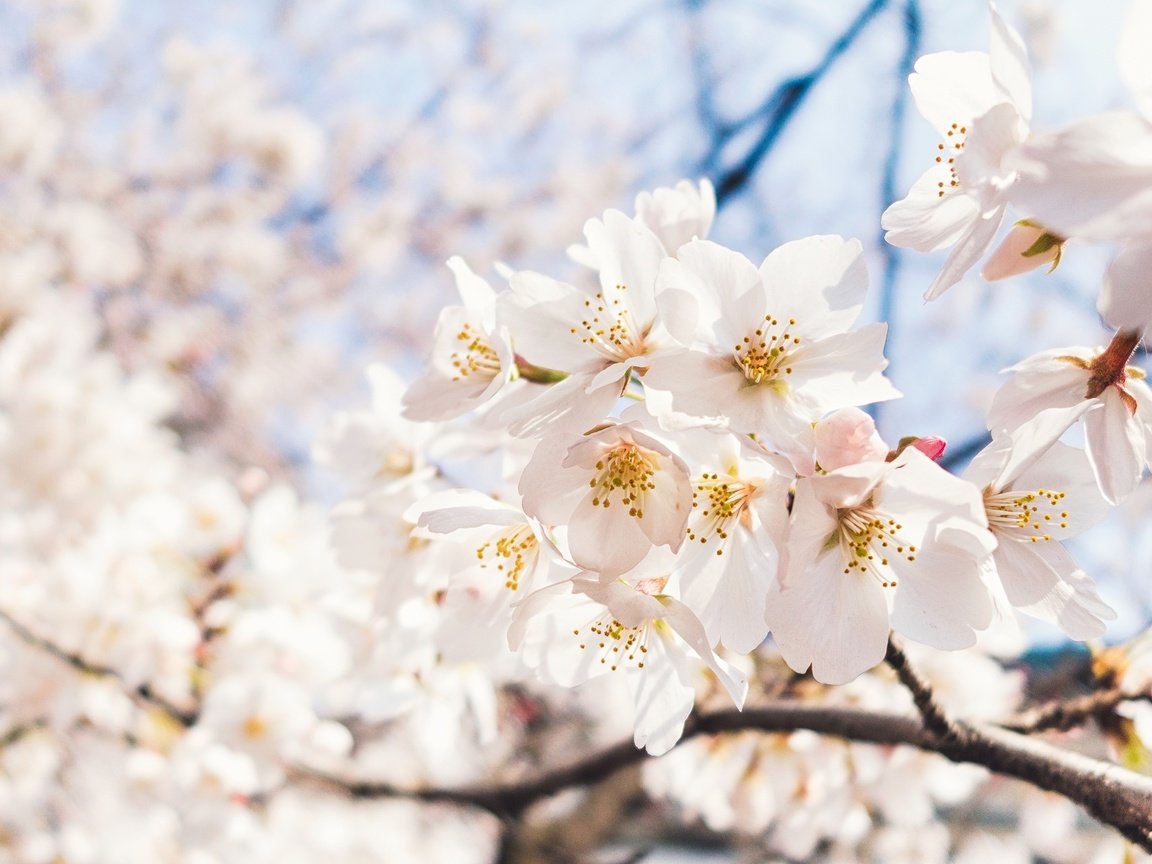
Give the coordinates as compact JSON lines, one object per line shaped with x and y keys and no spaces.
{"x":1069,"y":714}
{"x":143,"y":693}
{"x":935,"y":718}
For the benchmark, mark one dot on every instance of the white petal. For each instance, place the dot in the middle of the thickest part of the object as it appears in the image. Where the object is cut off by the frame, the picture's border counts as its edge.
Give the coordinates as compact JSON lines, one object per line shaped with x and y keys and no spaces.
{"x":1011,"y":74}
{"x":1134,"y":56}
{"x":1126,"y":296}
{"x":836,"y":623}
{"x":967,"y":252}
{"x":1092,"y":179}
{"x":1115,"y":443}
{"x":1042,"y":579}
{"x":926,"y":221}
{"x":952,"y":87}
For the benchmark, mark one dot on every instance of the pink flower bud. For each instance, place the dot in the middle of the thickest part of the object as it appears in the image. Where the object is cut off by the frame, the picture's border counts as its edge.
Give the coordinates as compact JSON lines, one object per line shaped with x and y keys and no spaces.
{"x":1010,"y":259}
{"x":847,"y":437}
{"x":931,"y":446}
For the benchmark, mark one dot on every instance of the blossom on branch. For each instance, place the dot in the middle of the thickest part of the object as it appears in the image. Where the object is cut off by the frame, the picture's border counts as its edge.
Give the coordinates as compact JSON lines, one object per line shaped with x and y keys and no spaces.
{"x":981,"y":105}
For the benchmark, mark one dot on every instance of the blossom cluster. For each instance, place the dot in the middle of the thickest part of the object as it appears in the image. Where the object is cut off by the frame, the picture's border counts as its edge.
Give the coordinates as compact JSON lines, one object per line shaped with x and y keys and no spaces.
{"x":685,"y":502}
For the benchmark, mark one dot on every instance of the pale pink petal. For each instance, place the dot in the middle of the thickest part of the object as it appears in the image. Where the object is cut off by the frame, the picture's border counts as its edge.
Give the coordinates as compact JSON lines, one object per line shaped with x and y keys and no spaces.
{"x":1126,"y":296}
{"x":820,"y":281}
{"x":688,"y":627}
{"x":940,"y":599}
{"x":1008,"y":259}
{"x":1115,"y":444}
{"x":1133,"y":54}
{"x":835,"y":623}
{"x":1043,"y":580}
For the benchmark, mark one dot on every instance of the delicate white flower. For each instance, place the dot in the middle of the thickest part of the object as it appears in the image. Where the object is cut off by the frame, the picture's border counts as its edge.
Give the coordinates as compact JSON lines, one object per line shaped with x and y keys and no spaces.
{"x":471,"y":356}
{"x":878,"y":546}
{"x":502,"y":557}
{"x":576,"y":629}
{"x":674,"y":214}
{"x":770,"y":350}
{"x":618,"y":490}
{"x":1053,"y":389}
{"x":981,"y":105}
{"x":735,"y":532}
{"x":677,"y":215}
{"x":1030,"y":511}
{"x":595,"y":339}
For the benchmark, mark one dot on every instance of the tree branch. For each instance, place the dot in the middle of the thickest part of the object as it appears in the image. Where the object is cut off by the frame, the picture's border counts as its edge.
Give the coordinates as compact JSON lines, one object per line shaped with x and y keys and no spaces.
{"x":935,"y":719}
{"x":779,"y":108}
{"x":1113,"y":795}
{"x":1065,"y":715}
{"x":143,"y":693}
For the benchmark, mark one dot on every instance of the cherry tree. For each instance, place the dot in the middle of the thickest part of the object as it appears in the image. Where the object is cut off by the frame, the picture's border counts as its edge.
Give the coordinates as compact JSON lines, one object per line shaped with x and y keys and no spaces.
{"x":647,"y":550}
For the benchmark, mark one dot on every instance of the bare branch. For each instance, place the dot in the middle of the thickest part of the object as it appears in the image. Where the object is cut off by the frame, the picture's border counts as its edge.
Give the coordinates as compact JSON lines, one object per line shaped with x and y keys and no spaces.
{"x":935,"y":719}
{"x":1069,"y":714}
{"x":141,"y":694}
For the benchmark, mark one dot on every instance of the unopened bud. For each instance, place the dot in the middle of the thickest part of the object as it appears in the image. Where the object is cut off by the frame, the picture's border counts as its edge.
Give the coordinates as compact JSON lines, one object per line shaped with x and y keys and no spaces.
{"x":931,"y":446}
{"x":1026,"y":247}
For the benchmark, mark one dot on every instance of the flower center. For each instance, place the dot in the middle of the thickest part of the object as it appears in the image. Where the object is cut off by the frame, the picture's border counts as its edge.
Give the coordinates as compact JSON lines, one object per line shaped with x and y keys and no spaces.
{"x":866,"y":539}
{"x":609,"y":327}
{"x":763,"y":355}
{"x":476,"y":355}
{"x":1025,"y":514}
{"x":718,"y":501}
{"x":946,"y":153}
{"x":625,"y":470}
{"x":511,"y":552}
{"x":616,"y":644}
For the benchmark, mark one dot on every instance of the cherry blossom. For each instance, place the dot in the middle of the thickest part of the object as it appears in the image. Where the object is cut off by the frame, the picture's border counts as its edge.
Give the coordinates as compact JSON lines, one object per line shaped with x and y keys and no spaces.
{"x":471,"y":358}
{"x":594,"y":339}
{"x":585,"y":627}
{"x":1054,"y":389}
{"x":875,"y":546}
{"x":1030,"y":512}
{"x":735,"y":532}
{"x":768,"y":351}
{"x":981,"y":105}
{"x":618,"y":490}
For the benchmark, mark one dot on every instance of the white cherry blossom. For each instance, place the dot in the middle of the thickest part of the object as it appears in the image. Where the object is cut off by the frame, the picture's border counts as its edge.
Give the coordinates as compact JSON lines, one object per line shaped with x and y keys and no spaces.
{"x":594,"y":338}
{"x":877,"y":546}
{"x":734,"y":536}
{"x":471,"y":355}
{"x":500,"y":558}
{"x":585,"y":627}
{"x":981,"y":105}
{"x":1054,"y":389}
{"x":618,"y":490}
{"x":1030,"y":512}
{"x":769,"y":350}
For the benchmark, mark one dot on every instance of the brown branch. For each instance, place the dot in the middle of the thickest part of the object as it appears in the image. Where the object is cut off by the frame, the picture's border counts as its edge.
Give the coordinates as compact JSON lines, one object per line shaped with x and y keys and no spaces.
{"x":1062,"y":716}
{"x":140,"y":694}
{"x":1113,"y":795}
{"x":935,"y":719}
